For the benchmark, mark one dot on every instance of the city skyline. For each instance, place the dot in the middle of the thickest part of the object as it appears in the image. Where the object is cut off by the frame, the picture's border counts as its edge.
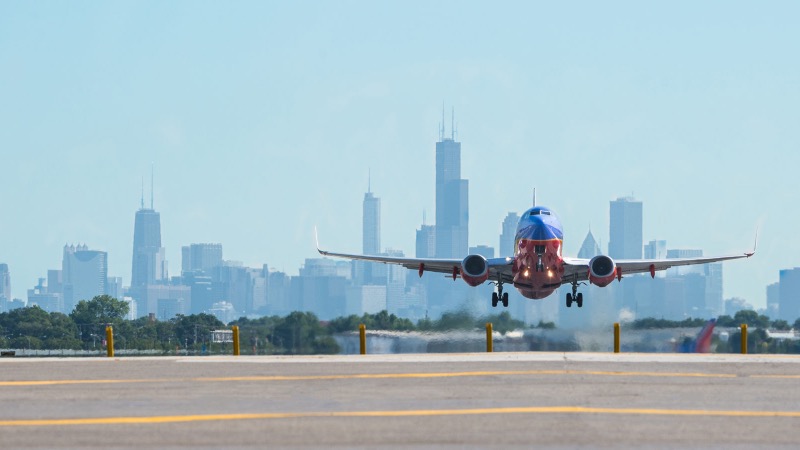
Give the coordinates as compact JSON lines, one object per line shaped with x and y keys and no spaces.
{"x":258,"y":133}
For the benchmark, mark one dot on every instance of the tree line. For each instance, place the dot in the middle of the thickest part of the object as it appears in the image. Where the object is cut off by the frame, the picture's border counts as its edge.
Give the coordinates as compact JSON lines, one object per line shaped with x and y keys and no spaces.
{"x":297,"y":333}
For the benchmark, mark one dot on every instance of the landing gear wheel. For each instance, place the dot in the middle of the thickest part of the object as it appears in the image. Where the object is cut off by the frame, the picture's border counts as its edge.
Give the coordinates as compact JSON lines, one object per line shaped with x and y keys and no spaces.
{"x":494,"y":299}
{"x":569,"y":300}
{"x":579,"y":300}
{"x":505,"y":300}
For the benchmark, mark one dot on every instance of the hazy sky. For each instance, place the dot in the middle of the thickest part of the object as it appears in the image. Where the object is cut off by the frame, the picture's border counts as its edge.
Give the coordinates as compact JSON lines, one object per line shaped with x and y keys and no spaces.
{"x":263,"y":119}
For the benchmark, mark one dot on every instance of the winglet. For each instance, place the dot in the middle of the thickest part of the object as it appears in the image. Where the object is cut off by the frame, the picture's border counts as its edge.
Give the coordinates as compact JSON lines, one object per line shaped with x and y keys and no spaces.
{"x":316,"y":239}
{"x":755,"y":245}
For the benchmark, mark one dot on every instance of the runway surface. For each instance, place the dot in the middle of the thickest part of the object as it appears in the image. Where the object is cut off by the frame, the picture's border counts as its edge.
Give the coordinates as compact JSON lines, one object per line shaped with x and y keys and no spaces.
{"x":498,"y":400}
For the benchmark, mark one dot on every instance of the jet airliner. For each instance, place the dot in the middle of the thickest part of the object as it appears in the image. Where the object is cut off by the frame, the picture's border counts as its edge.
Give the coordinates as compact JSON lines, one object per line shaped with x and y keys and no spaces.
{"x":538,"y":266}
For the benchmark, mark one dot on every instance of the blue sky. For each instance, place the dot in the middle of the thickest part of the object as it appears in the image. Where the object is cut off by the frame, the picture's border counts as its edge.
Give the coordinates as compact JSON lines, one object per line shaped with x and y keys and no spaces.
{"x":262,"y":119}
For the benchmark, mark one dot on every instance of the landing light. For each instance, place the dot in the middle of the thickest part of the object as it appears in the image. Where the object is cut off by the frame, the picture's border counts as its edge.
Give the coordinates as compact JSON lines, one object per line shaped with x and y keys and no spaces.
{"x":526,"y":273}
{"x":550,"y":274}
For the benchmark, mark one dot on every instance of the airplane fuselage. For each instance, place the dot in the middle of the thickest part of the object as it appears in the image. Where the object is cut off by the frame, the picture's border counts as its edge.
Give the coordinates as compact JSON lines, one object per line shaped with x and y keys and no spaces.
{"x":538,"y":265}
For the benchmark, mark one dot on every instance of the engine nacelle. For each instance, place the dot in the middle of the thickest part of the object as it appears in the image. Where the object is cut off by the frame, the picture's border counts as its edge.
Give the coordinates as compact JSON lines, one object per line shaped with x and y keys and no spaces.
{"x":602,"y":270}
{"x":474,"y":270}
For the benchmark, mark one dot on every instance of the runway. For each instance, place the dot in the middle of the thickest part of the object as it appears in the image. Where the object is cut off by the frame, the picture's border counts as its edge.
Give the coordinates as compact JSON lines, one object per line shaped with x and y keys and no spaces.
{"x":522,"y":400}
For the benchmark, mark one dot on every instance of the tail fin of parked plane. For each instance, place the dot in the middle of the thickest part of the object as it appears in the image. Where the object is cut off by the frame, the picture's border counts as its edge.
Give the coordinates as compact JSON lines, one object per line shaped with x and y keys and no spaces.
{"x":702,"y":343}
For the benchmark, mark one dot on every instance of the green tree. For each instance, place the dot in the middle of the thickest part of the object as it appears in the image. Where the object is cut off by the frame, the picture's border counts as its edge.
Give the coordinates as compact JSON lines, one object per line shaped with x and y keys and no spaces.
{"x":302,"y":334}
{"x":193,"y":328}
{"x":34,"y":328}
{"x":92,"y":316}
{"x":780,"y":325}
{"x":751,"y":318}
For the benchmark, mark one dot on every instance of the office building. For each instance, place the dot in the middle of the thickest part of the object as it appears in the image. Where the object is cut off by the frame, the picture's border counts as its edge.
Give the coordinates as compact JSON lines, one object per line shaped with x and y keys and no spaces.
{"x":452,"y":199}
{"x":508,"y":235}
{"x":149,"y":265}
{"x":201,"y":257}
{"x":426,"y":242}
{"x":371,"y":224}
{"x":589,"y":248}
{"x":483,"y":250}
{"x":85,"y":274}
{"x":5,"y":287}
{"x":655,"y":249}
{"x":789,"y":295}
{"x":625,"y":229}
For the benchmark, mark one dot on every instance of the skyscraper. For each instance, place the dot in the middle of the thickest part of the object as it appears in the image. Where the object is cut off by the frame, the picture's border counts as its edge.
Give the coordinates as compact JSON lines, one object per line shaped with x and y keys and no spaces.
{"x":508,"y":234}
{"x":452,"y":199}
{"x":589,"y":248}
{"x":625,"y":229}
{"x":789,"y":295}
{"x":201,"y":257}
{"x":85,"y":274}
{"x":5,"y":286}
{"x":149,"y":266}
{"x":371,"y":230}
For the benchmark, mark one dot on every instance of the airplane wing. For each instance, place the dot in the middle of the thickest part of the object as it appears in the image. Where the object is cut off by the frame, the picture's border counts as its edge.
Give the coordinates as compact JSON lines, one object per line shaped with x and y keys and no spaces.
{"x":498,"y":267}
{"x":578,"y":268}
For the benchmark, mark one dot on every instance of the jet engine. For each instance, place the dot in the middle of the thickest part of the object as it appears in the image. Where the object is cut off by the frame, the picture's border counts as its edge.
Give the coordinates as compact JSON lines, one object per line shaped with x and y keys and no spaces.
{"x":474,"y":270}
{"x":602,"y":270}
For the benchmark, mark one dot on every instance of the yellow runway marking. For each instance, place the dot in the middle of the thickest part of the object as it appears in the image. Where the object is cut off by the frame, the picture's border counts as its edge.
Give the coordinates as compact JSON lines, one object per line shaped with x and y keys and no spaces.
{"x":367,"y":376}
{"x":410,"y":413}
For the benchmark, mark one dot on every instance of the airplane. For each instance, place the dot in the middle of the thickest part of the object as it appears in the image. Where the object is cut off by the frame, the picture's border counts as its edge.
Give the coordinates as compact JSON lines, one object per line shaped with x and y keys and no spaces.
{"x":702,"y":343}
{"x":538,"y":267}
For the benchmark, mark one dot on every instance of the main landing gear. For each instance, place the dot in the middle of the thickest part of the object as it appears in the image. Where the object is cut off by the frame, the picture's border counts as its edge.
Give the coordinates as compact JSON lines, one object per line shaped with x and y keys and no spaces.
{"x":575,"y":296}
{"x":500,"y":296}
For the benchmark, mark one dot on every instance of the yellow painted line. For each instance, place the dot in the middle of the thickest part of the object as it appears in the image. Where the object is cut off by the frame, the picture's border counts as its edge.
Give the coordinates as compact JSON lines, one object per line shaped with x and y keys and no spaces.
{"x":366,"y":376}
{"x":790,"y":377}
{"x":408,"y":413}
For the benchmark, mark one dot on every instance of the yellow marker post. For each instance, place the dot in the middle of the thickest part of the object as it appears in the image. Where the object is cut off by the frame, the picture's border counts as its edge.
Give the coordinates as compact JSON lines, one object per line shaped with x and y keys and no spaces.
{"x":110,"y":341}
{"x":235,"y":329}
{"x":616,"y":337}
{"x":362,"y":338}
{"x":489,"y":343}
{"x":744,"y":338}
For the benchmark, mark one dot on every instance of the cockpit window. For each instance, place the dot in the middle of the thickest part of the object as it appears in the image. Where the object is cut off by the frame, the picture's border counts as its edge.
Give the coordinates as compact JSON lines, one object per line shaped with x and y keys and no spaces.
{"x":536,"y":212}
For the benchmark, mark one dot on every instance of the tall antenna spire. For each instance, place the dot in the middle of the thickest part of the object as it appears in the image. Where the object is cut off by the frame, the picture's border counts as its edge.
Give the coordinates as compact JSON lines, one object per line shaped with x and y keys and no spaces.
{"x":534,"y":196}
{"x":142,"y":207}
{"x":441,"y":132}
{"x":152,"y":177}
{"x":453,"y":124}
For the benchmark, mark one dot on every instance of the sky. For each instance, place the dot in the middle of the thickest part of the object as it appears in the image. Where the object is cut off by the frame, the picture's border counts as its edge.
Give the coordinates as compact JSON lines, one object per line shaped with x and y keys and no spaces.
{"x":262,"y":120}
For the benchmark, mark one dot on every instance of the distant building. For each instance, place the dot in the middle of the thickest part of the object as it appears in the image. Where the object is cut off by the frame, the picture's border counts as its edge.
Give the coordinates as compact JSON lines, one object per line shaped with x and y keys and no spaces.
{"x":39,"y":296}
{"x":85,"y":274}
{"x":320,"y":288}
{"x":149,"y":296}
{"x":201,"y":257}
{"x":5,"y":287}
{"x":483,"y":250}
{"x":676,"y":253}
{"x":655,"y":250}
{"x":773,"y":300}
{"x":625,"y":229}
{"x":452,"y":199}
{"x":589,"y":248}
{"x":149,"y":265}
{"x":789,"y":292}
{"x":426,"y":241}
{"x":369,"y":299}
{"x":508,"y":235}
{"x":371,"y":224}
